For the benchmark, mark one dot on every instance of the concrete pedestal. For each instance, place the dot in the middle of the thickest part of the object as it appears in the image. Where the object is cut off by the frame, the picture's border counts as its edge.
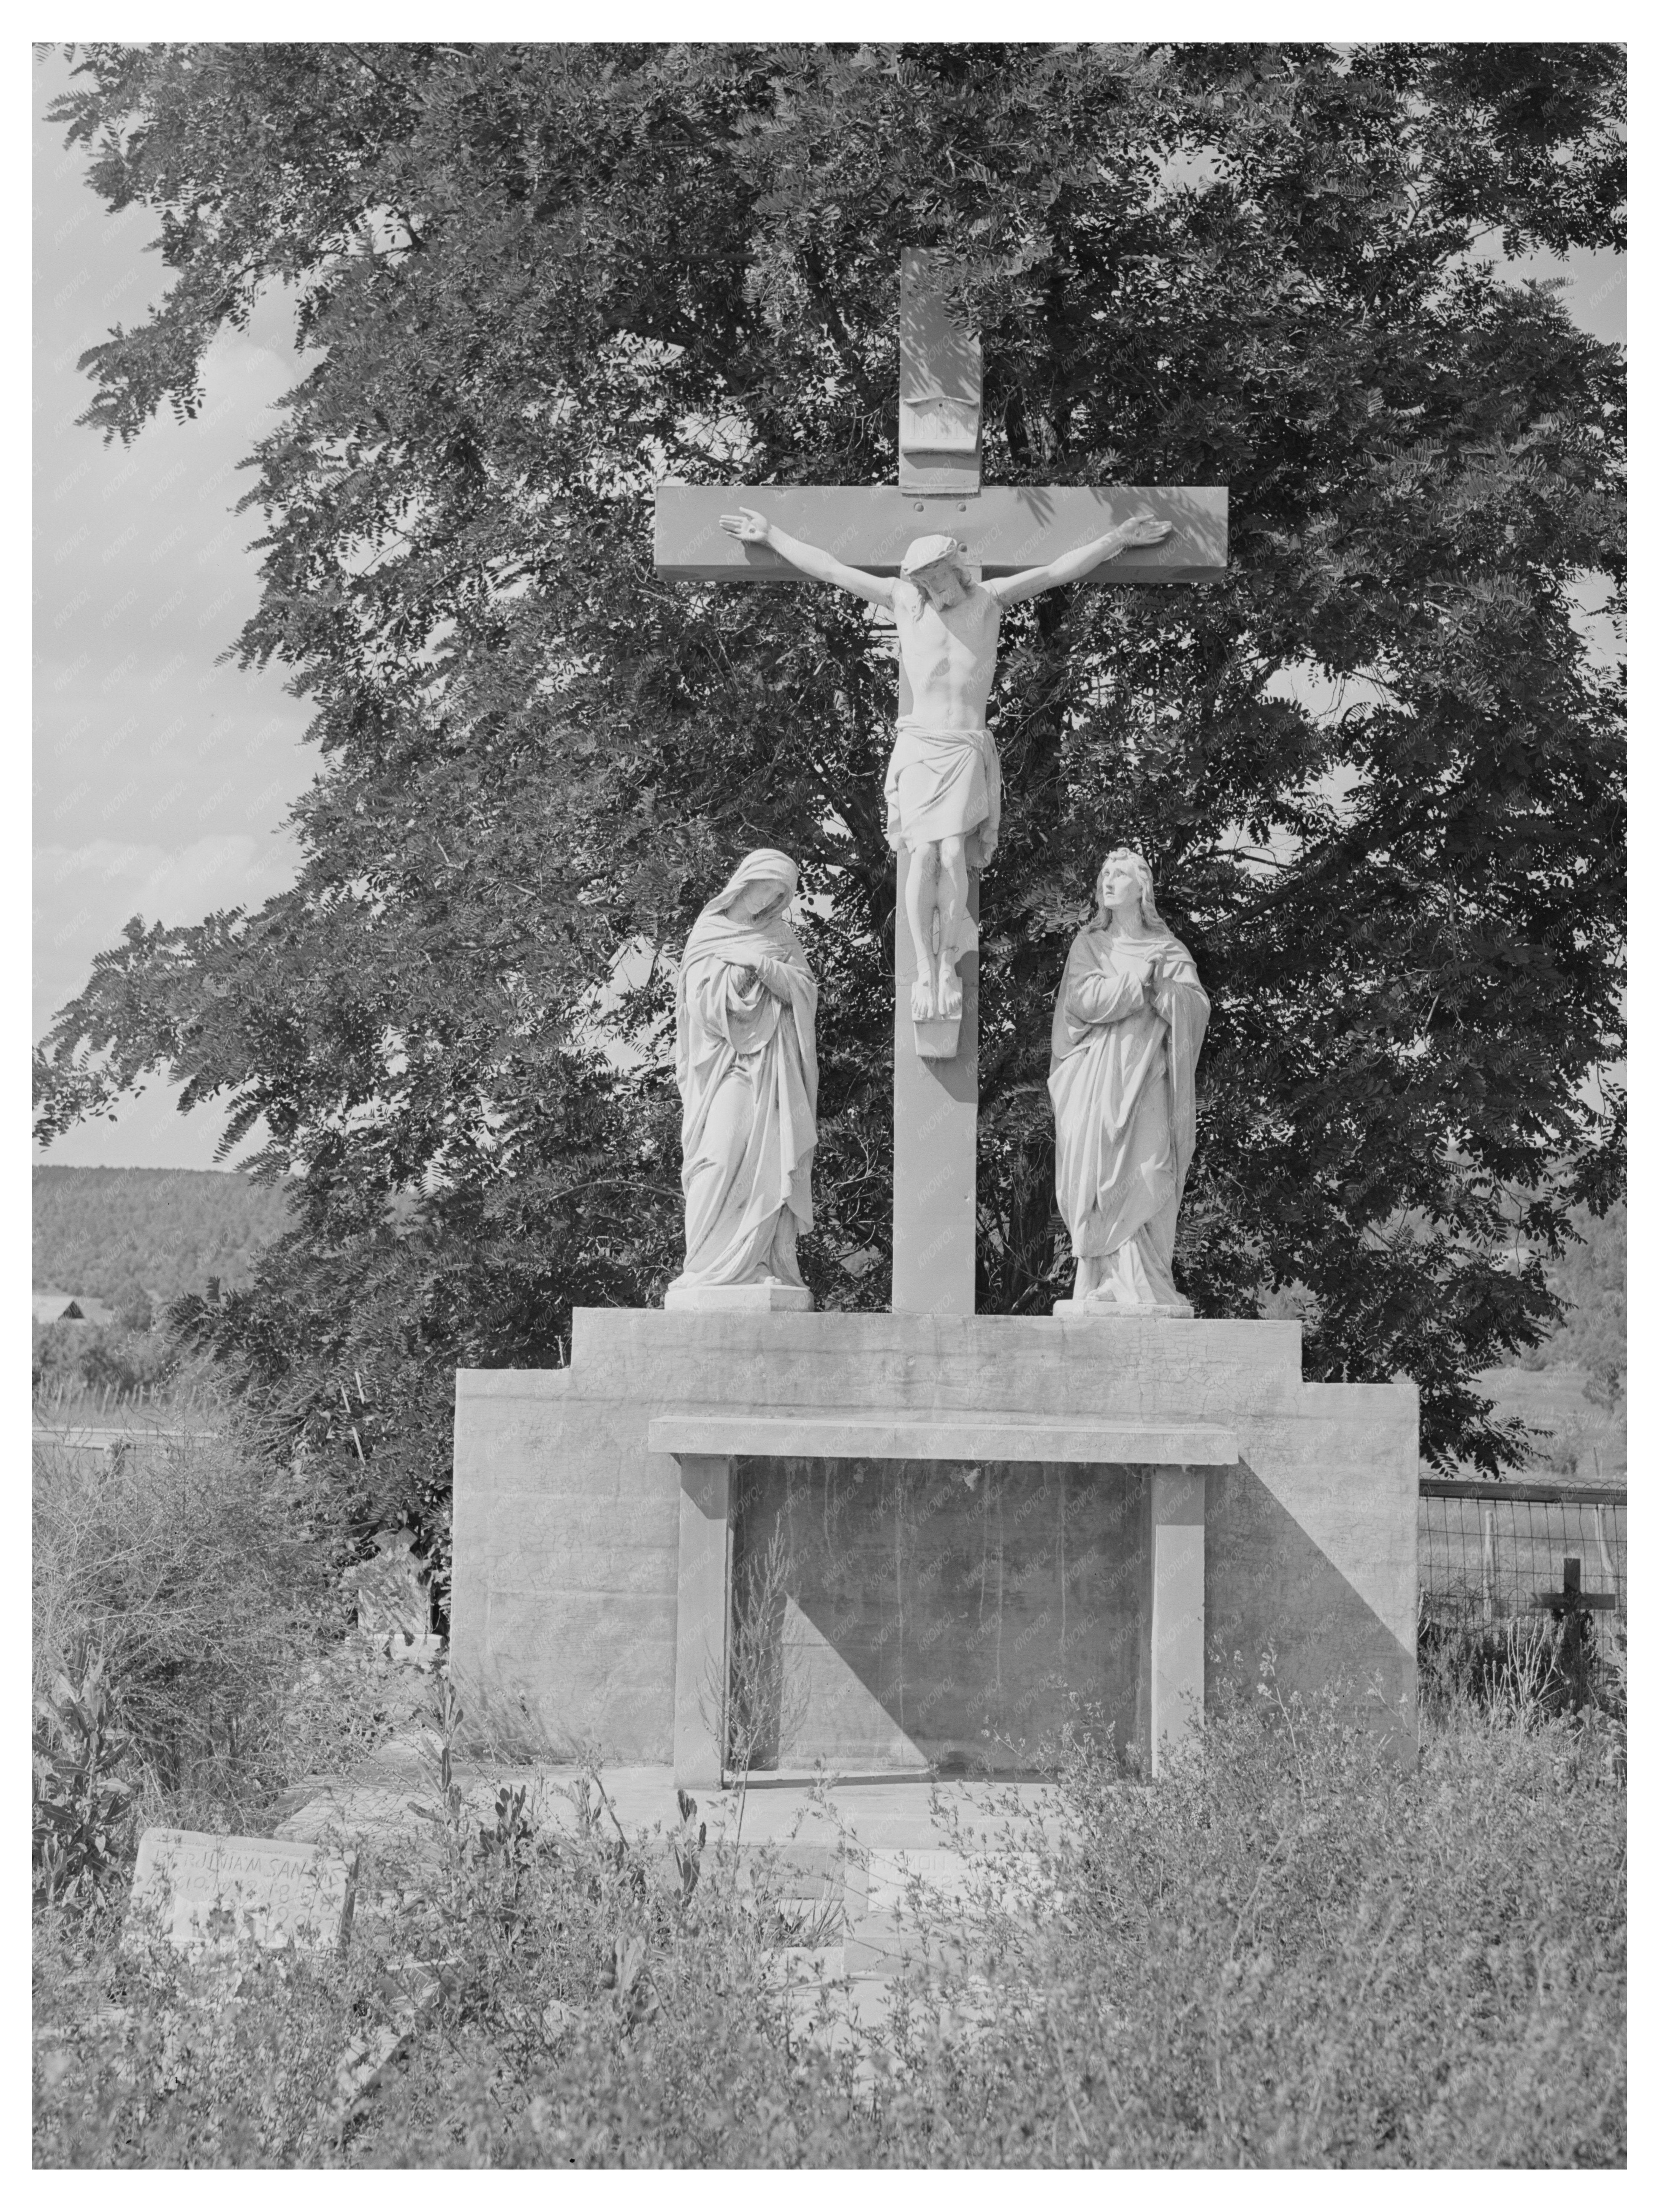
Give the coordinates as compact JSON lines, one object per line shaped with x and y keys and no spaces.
{"x":590,"y":1550}
{"x":1174,"y":1459}
{"x":1172,"y":1616}
{"x":702,"y":1603}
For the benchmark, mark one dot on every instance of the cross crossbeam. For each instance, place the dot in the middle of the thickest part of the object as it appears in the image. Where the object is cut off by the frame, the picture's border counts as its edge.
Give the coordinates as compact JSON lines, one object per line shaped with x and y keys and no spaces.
{"x":1004,"y":527}
{"x":1572,"y":1596}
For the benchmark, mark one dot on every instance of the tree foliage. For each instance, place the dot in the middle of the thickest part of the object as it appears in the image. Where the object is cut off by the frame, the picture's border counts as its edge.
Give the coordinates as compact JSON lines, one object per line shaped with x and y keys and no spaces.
{"x":1589,"y":1279}
{"x":1377,"y":771}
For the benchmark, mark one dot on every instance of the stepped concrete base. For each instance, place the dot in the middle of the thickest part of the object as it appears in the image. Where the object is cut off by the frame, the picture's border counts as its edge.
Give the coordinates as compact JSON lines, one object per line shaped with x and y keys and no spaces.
{"x":938,"y":1594}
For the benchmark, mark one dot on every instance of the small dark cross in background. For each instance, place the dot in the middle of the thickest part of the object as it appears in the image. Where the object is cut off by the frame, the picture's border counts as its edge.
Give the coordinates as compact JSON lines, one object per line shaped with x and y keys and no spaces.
{"x":1572,"y":1606}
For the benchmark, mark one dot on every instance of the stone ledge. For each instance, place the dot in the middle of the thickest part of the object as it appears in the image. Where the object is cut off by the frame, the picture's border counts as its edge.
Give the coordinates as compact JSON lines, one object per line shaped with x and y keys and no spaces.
{"x":974,"y":1437}
{"x":511,"y":1382}
{"x":1262,"y":1343}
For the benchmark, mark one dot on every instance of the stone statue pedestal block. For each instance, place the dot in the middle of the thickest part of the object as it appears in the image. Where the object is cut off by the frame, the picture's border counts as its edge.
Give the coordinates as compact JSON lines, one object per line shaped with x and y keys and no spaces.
{"x":1081,"y":1309}
{"x":737,"y":1297}
{"x":967,"y":1507}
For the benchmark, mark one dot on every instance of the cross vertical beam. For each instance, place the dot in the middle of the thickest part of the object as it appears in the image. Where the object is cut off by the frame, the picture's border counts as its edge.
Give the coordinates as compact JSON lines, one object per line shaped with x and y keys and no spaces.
{"x":935,"y":1064}
{"x":935,"y":1139}
{"x":941,"y":387}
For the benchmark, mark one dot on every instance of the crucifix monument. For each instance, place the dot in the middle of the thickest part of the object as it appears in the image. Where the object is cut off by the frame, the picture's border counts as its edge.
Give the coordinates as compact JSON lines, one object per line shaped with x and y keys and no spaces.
{"x":975,"y":1508}
{"x":942,"y":555}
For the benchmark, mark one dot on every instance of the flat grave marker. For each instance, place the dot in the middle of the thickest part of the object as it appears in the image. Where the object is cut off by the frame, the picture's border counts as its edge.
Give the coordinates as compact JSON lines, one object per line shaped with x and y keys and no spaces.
{"x":210,"y":1892}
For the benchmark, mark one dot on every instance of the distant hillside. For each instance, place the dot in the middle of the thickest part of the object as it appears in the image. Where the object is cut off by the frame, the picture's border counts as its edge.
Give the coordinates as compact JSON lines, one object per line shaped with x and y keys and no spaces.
{"x":1591,"y":1279}
{"x":103,"y":1229}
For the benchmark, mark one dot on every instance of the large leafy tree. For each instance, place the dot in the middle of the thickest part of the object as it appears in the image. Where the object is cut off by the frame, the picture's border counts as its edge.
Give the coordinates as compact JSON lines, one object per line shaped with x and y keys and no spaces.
{"x":1375,"y":769}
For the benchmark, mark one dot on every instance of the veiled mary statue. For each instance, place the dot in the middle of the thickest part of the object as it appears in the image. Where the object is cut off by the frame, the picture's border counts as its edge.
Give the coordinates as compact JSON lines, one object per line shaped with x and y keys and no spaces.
{"x":1128,"y":1023}
{"x":746,"y":1064}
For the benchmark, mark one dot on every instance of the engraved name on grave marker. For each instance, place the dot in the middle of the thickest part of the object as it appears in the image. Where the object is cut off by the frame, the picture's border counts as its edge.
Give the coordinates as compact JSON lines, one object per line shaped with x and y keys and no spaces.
{"x":212,"y":1891}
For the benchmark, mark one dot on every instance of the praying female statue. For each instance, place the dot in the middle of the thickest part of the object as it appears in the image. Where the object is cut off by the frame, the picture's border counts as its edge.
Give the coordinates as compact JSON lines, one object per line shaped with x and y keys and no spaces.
{"x":746,"y":1064}
{"x":1128,"y":1023}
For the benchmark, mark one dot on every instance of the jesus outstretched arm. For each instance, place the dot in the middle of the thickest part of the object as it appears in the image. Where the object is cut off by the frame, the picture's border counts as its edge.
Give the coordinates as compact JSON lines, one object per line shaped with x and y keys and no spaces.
{"x":750,"y":527}
{"x":1068,"y":568}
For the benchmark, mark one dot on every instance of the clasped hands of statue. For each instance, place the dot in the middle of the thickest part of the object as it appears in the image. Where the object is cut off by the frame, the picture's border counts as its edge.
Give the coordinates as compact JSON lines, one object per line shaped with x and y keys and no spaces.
{"x":769,"y":972}
{"x":1153,"y":976}
{"x":1151,"y":979}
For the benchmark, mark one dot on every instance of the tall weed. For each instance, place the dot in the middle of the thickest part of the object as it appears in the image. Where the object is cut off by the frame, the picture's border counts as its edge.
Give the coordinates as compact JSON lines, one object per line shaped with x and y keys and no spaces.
{"x":1287,"y":1951}
{"x":81,"y":1802}
{"x":180,"y":1580}
{"x":1291,"y":1952}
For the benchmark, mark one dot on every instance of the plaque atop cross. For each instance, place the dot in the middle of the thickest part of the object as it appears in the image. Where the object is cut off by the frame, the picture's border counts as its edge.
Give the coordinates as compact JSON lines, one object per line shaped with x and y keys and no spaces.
{"x":944,"y":553}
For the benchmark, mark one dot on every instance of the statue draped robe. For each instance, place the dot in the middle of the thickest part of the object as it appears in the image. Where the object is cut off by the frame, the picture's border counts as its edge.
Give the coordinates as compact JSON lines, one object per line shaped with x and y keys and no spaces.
{"x":746,"y":1064}
{"x":1121,"y":1079}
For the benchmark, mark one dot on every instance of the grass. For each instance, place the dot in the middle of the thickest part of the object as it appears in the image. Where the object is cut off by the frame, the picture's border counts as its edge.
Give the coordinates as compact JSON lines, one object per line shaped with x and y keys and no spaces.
{"x":183,"y":1581}
{"x":1286,"y":1954}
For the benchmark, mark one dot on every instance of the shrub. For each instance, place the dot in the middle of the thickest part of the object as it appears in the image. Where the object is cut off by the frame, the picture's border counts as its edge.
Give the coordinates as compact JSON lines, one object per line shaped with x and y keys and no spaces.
{"x":1294,"y":1953}
{"x":81,"y":1801}
{"x":55,"y":1354}
{"x":1526,"y":1666}
{"x":1286,"y":1953}
{"x":123,"y":1359}
{"x":529,"y":1993}
{"x":77,"y":1355}
{"x":134,"y":1308}
{"x":181,"y":1581}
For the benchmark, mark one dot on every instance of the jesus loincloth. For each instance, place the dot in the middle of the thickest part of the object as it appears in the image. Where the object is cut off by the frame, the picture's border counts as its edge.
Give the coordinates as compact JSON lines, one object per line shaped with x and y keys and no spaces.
{"x":940,"y":783}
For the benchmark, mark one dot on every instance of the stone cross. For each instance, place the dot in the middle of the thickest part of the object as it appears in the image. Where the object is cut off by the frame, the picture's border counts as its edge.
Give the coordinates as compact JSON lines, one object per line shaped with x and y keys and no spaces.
{"x":1004,"y":529}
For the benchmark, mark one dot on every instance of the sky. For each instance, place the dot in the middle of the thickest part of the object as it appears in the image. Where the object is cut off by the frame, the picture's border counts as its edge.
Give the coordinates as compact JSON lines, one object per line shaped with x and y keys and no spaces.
{"x":163,"y":780}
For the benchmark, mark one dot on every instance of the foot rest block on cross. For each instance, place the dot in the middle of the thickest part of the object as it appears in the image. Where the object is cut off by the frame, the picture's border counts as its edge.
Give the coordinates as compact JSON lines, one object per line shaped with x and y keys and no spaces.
{"x":937,"y":1039}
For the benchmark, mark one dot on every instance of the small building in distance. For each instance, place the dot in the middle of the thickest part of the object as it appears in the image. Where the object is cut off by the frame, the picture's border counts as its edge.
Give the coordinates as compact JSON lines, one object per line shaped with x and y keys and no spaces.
{"x":64,"y":1305}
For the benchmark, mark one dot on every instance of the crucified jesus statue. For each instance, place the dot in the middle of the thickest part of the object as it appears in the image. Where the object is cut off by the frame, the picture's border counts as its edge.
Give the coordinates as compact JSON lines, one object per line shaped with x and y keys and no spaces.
{"x":943,"y":785}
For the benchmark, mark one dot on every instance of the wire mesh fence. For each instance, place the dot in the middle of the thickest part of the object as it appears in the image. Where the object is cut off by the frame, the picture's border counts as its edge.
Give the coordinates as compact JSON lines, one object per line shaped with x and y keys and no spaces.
{"x":110,"y":1426}
{"x":66,"y":1397}
{"x":1486,"y":1550}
